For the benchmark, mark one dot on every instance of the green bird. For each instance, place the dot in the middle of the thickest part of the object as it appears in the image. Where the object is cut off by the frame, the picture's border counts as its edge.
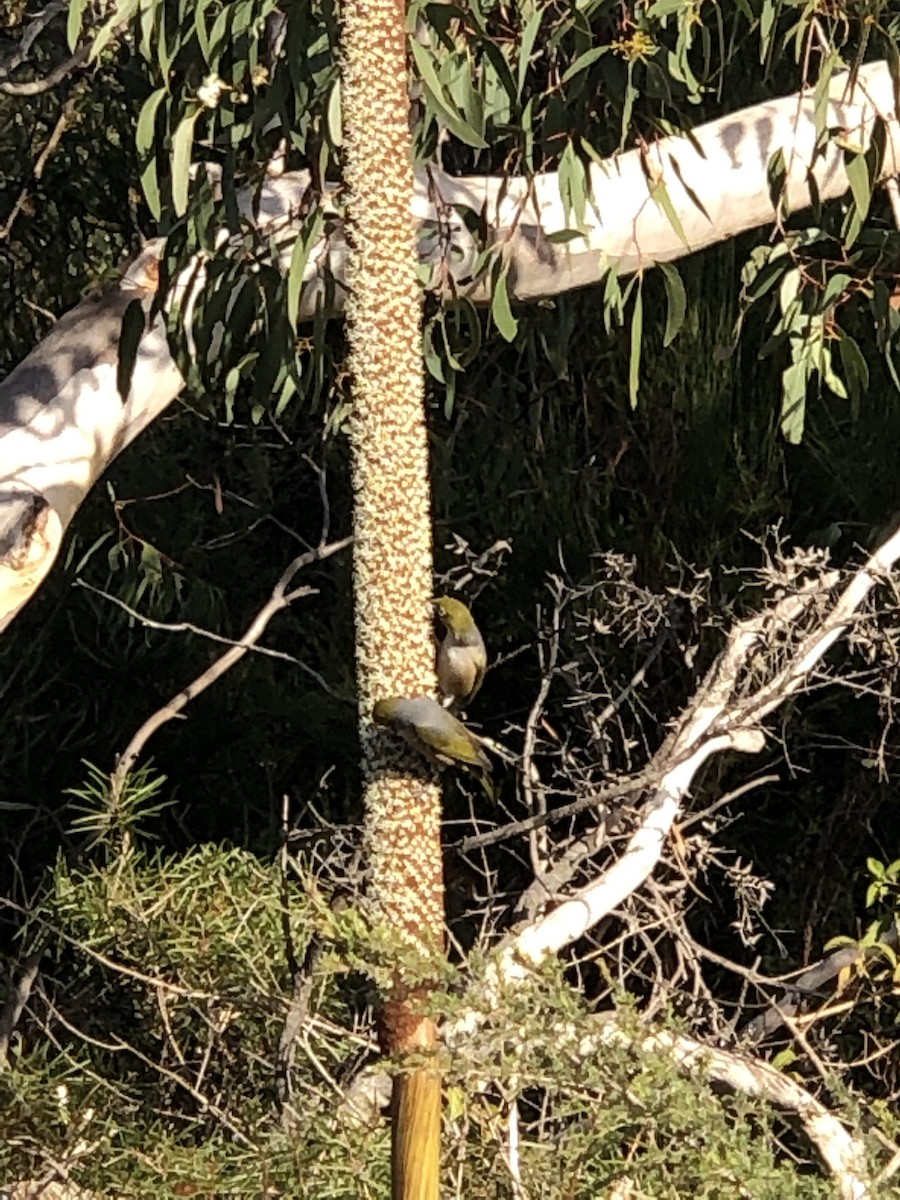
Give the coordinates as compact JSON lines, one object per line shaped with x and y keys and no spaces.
{"x":436,"y":733}
{"x":462,"y":655}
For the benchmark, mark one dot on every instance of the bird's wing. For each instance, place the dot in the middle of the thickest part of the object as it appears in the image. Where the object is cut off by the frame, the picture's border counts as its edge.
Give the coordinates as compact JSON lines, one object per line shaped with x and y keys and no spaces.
{"x":466,"y":748}
{"x":477,"y":682}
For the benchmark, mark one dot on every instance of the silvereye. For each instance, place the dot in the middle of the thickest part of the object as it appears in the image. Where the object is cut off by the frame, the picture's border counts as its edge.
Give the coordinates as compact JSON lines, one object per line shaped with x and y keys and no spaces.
{"x":436,"y":733}
{"x":461,"y":656}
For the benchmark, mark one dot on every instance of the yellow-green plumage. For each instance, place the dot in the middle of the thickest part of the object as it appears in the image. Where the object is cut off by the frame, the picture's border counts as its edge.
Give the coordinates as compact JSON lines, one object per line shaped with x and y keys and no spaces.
{"x":436,"y":733}
{"x":461,"y":655}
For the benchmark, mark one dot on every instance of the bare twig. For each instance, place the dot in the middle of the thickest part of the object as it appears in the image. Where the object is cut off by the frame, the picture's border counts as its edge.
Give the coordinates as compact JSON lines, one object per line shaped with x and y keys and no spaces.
{"x":35,"y":87}
{"x":211,"y":636}
{"x":53,"y":141}
{"x":279,"y":599}
{"x":155,"y":982}
{"x":810,"y":981}
{"x":303,"y":978}
{"x":19,"y":995}
{"x":31,"y":32}
{"x":717,"y":720}
{"x":119,"y":1045}
{"x":16,"y":58}
{"x":617,"y":791}
{"x":535,"y":797}
{"x":511,"y":1148}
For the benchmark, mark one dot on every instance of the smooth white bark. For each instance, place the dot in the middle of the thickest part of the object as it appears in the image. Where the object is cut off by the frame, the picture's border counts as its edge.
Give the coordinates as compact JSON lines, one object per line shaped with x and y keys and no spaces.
{"x":61,"y":417}
{"x":722,"y":167}
{"x":62,"y":421}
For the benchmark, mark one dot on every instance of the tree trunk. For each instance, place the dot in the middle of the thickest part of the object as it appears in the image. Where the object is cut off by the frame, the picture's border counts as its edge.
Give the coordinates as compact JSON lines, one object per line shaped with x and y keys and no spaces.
{"x":392,"y":554}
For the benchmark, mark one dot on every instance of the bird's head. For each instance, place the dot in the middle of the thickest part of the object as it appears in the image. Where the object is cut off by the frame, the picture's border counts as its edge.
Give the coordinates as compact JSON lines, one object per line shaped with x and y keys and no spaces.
{"x":454,"y":615}
{"x":406,"y":712}
{"x":385,"y":712}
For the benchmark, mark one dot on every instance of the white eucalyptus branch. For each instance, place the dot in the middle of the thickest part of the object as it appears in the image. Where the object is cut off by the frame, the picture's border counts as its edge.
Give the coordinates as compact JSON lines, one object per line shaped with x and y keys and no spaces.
{"x":62,"y":419}
{"x":843,"y":1154}
{"x":717,"y":721}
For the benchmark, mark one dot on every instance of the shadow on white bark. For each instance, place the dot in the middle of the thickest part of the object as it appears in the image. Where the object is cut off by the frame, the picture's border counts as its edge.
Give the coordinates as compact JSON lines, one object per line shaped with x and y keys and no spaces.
{"x":62,"y":419}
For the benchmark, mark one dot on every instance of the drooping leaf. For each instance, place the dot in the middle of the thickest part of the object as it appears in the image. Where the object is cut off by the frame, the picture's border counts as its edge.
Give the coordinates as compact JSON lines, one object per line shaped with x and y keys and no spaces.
{"x":766,"y":25}
{"x":124,"y":11}
{"x":860,"y":185}
{"x":660,"y":195}
{"x":219,"y":36}
{"x":306,"y":240}
{"x":165,"y":48}
{"x":200,"y":29}
{"x":526,"y":45}
{"x":676,"y":300}
{"x":74,"y":22}
{"x":631,"y":94}
{"x":146,"y":122}
{"x":133,"y":324}
{"x":573,"y":186}
{"x":690,"y":192}
{"x":856,"y":370}
{"x":145,"y":143}
{"x":182,"y":144}
{"x":832,"y":380}
{"x":583,"y":61}
{"x":776,"y":176}
{"x":835,"y":288}
{"x":794,"y":380}
{"x":441,"y":102}
{"x":637,"y":338}
{"x":501,"y":311}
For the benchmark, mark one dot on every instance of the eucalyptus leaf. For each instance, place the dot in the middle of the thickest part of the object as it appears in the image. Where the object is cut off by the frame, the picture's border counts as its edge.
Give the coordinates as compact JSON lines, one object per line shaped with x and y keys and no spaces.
{"x":133,"y":325}
{"x":442,"y":104}
{"x":636,"y":341}
{"x":584,"y":61}
{"x":74,"y":23}
{"x":182,"y":144}
{"x":856,"y":370}
{"x":526,"y":45}
{"x":676,"y":301}
{"x":306,"y":240}
{"x":123,"y":12}
{"x":860,"y":185}
{"x":835,"y":288}
{"x":794,"y":381}
{"x":660,"y":196}
{"x":146,"y":148}
{"x":145,"y":131}
{"x":501,"y":311}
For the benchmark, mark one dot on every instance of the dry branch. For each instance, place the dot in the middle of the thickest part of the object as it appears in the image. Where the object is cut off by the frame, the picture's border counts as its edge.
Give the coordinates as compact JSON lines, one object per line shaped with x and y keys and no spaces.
{"x":767,"y":658}
{"x":843,"y":1153}
{"x":280,"y":598}
{"x":62,"y":421}
{"x":809,"y":982}
{"x":719,"y":719}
